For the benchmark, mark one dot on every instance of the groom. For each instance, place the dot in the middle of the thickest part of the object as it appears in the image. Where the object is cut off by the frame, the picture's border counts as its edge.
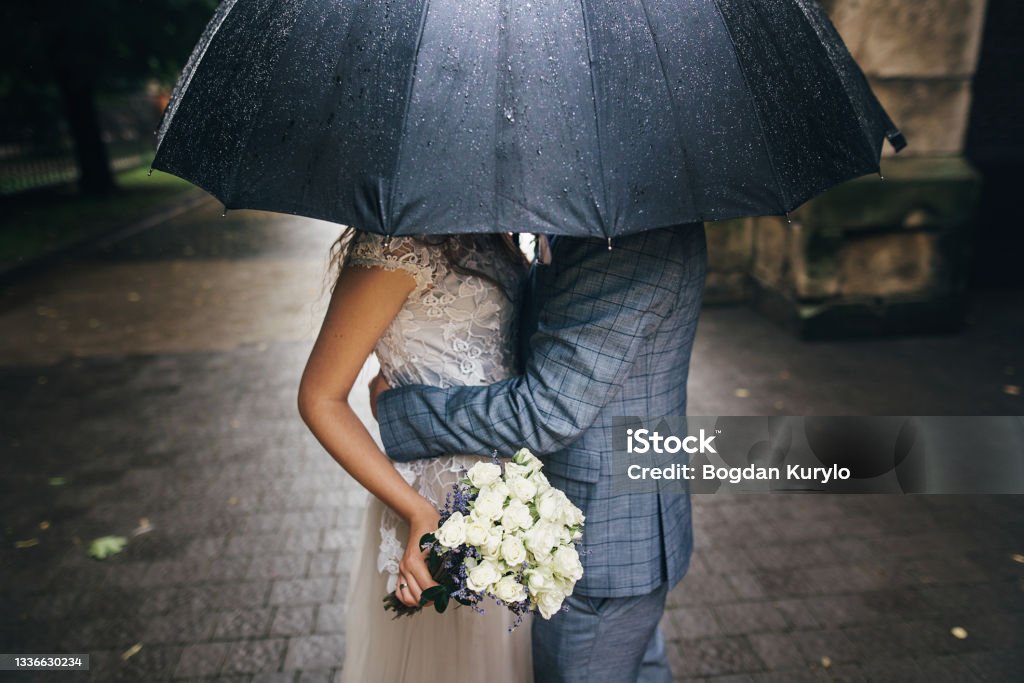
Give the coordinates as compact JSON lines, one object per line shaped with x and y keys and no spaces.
{"x":604,"y":333}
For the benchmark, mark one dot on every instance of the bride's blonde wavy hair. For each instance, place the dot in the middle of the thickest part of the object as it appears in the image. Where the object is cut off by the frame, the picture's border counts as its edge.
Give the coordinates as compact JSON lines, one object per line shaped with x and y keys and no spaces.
{"x":451,"y":245}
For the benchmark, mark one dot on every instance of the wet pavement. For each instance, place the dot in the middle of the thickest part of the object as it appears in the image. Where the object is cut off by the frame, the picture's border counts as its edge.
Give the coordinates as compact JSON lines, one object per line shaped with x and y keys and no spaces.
{"x":148,"y":391}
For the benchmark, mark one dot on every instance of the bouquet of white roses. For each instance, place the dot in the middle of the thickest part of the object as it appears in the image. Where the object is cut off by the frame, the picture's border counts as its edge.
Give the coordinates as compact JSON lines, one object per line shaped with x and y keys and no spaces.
{"x":505,"y":533}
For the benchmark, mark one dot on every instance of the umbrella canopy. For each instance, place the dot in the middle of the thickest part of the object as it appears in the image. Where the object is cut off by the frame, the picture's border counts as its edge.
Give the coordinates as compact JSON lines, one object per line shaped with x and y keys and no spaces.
{"x":589,"y":118}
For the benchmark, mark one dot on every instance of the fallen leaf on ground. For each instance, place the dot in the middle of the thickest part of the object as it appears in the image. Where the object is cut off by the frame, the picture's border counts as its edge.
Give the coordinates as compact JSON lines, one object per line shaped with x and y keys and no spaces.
{"x":958,"y":632}
{"x":143,"y":527}
{"x":44,"y":525}
{"x":57,"y":481}
{"x":27,"y":543}
{"x":103,"y":547}
{"x":1017,"y":557}
{"x":826,"y":662}
{"x":134,"y":649}
{"x":743,"y":393}
{"x":1011,"y":390}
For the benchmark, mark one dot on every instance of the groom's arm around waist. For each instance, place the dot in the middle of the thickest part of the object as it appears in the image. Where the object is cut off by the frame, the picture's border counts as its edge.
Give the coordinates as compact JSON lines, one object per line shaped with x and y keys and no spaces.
{"x":599,"y":308}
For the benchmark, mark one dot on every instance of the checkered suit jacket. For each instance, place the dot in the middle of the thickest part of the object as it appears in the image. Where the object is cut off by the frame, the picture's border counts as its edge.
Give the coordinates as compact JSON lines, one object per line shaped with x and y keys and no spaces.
{"x":606,"y":333}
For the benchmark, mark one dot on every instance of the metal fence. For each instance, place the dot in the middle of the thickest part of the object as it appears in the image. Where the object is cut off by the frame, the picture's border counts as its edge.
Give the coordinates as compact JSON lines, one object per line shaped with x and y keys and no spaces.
{"x":38,"y":154}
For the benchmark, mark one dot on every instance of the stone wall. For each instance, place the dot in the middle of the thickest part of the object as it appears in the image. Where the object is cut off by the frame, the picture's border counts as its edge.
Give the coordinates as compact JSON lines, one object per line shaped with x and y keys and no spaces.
{"x":920,"y":56}
{"x":877,"y":256}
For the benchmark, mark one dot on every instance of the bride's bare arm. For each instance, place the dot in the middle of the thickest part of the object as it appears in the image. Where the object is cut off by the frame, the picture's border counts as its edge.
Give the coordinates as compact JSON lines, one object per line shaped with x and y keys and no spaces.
{"x":364,"y":303}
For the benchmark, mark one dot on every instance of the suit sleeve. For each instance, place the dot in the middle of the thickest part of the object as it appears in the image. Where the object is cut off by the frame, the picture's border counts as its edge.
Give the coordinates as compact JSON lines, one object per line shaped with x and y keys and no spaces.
{"x":598,"y":310}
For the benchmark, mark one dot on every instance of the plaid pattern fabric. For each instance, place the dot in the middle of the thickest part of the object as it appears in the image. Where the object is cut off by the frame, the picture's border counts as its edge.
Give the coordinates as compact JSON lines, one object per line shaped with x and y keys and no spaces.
{"x":606,"y":333}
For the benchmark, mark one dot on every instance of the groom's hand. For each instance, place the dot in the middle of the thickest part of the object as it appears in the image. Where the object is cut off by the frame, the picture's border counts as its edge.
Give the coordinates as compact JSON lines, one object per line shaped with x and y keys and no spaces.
{"x":378,"y":385}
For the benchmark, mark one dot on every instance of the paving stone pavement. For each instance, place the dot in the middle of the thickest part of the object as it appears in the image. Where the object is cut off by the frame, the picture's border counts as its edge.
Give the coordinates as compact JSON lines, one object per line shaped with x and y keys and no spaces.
{"x":149,"y":391}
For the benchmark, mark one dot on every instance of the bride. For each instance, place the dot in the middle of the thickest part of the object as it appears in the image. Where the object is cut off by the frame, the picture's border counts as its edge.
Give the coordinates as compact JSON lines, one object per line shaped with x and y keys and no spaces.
{"x":438,"y":311}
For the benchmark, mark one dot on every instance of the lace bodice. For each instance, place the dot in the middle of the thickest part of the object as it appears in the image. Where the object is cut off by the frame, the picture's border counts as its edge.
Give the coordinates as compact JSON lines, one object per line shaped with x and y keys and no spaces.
{"x":455,"y":328}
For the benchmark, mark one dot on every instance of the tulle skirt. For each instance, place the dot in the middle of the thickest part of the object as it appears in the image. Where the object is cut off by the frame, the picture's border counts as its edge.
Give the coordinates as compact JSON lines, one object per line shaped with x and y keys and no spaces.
{"x":459,"y":646}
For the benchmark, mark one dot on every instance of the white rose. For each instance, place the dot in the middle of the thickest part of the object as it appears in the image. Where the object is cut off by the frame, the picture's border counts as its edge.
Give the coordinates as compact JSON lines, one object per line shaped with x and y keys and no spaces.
{"x":480,"y":577}
{"x":490,"y":547}
{"x":562,"y":501}
{"x":508,"y":589}
{"x":528,"y":460}
{"x":489,"y":504}
{"x":477,"y":531}
{"x":516,"y":516}
{"x":452,"y":533}
{"x":548,"y":505}
{"x":498,"y":486}
{"x":484,"y":473}
{"x":539,"y":580}
{"x":522,"y":489}
{"x":549,"y":602}
{"x":512,"y":550}
{"x":568,"y":513}
{"x":513,"y":470}
{"x":566,"y":562}
{"x":540,"y":540}
{"x":573,"y":515}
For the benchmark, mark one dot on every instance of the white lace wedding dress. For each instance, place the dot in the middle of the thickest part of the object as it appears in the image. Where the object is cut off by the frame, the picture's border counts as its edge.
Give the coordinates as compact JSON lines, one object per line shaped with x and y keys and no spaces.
{"x":454,"y":329}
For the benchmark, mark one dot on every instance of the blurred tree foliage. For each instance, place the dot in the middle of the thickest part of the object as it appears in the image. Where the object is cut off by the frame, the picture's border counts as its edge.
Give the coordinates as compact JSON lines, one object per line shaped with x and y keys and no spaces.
{"x":69,"y":52}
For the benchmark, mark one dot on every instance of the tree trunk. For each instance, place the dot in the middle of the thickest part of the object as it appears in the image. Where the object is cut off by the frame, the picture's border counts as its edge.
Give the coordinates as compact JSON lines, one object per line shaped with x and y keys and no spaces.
{"x":78,"y":93}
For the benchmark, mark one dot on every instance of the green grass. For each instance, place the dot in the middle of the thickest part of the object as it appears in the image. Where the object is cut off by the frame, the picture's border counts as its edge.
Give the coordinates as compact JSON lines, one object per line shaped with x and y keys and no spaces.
{"x":34,"y":224}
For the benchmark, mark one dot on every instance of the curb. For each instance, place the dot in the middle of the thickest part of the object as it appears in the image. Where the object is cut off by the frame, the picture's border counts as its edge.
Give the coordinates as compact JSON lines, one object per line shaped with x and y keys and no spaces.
{"x":190,"y":200}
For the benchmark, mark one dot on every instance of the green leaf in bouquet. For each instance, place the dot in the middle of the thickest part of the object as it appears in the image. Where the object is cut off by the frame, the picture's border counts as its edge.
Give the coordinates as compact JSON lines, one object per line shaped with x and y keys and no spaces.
{"x":427,"y":539}
{"x":434,"y":563}
{"x":432,"y":594}
{"x":441,"y":603}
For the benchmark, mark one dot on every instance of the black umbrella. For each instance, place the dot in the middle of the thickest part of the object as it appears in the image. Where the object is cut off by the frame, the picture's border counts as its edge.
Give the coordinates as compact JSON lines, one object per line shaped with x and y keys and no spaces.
{"x":590,"y":118}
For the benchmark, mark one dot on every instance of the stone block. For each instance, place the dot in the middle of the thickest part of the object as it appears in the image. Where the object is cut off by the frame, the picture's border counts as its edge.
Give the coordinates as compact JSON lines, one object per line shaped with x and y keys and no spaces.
{"x":872,"y":256}
{"x":896,"y":38}
{"x":888,"y":265}
{"x":813,"y":262}
{"x":917,"y":193}
{"x":933,"y":113}
{"x":730,"y":244}
{"x":771,"y":250}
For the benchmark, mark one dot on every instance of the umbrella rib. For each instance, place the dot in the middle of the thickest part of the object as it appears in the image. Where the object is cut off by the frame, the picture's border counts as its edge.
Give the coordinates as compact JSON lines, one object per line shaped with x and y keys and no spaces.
{"x":232,"y":186}
{"x":209,"y":33}
{"x":503,"y":51}
{"x":846,"y":90}
{"x":753,"y":104}
{"x":386,"y":218}
{"x":675,"y":110}
{"x":597,"y":119}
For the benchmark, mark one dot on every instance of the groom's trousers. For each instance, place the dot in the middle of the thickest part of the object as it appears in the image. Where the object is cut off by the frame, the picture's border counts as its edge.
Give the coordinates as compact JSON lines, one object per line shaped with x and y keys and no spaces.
{"x":602,"y":640}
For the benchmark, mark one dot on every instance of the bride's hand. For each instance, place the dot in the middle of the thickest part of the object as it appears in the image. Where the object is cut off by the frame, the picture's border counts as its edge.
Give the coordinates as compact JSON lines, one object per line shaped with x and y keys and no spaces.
{"x":413,"y":575}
